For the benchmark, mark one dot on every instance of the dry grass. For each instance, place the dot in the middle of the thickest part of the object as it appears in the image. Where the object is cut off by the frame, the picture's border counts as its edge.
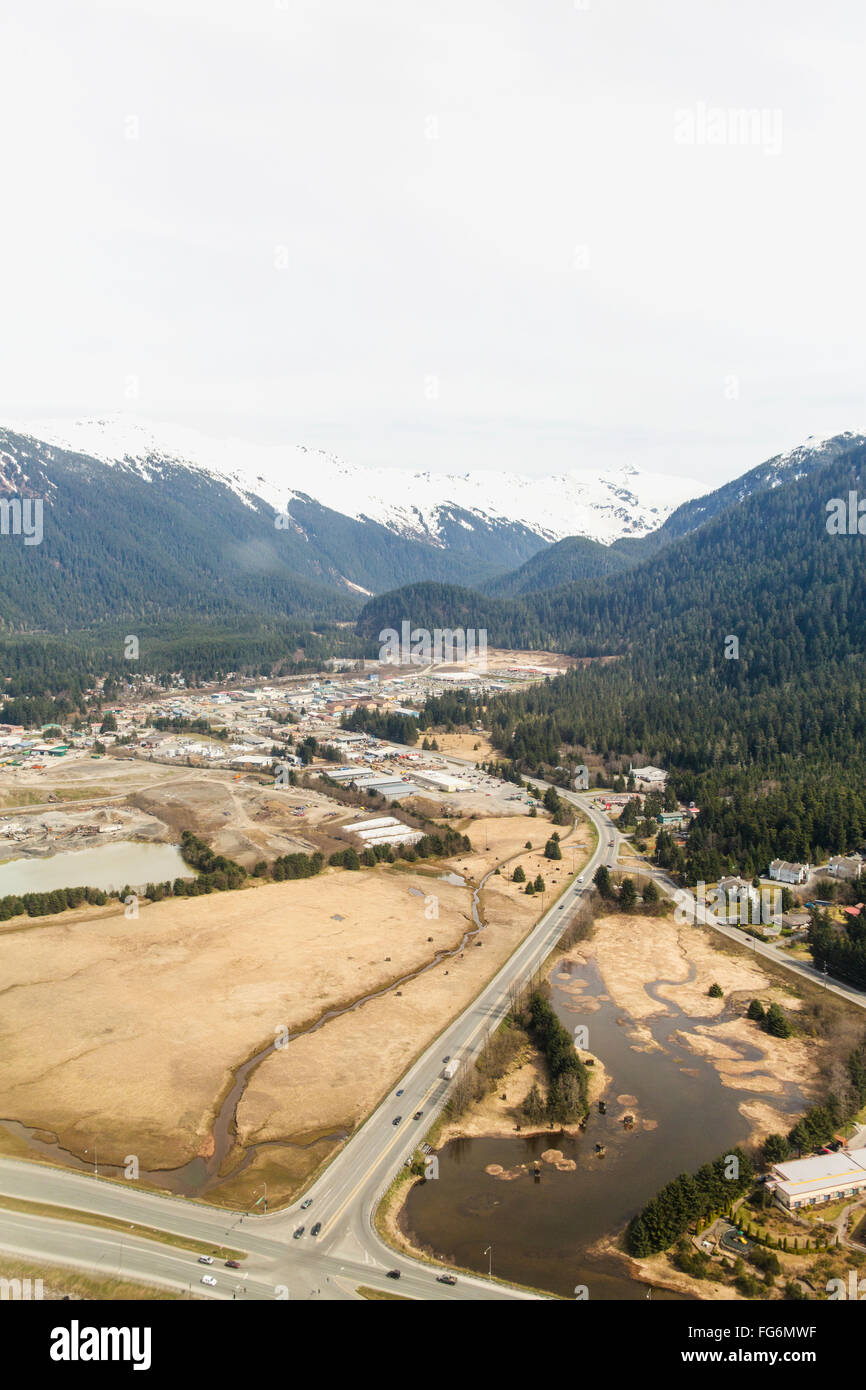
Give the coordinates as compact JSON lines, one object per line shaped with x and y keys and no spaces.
{"x":59,"y":1283}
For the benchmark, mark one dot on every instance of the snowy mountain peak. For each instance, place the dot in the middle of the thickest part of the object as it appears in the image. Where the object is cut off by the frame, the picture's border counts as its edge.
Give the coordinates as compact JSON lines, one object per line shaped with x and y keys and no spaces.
{"x":622,"y":502}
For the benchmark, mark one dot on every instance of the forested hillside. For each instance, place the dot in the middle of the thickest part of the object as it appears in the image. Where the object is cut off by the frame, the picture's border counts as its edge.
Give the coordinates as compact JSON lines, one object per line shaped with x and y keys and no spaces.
{"x":574,"y":558}
{"x":157,"y":541}
{"x":781,"y":724}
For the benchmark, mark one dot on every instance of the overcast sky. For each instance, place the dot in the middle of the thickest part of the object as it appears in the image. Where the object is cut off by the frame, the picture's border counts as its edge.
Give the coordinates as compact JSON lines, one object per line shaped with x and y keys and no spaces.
{"x":451,"y":235}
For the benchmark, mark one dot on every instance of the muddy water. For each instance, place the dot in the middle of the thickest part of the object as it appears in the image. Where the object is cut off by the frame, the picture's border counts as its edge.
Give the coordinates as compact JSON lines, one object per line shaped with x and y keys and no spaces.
{"x":540,"y":1228}
{"x":109,"y":867}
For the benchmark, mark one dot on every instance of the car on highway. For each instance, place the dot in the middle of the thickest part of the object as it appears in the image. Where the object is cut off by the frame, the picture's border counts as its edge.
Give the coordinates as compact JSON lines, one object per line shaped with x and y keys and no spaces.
{"x":209,"y":1280}
{"x":393,"y":1274}
{"x":447,"y":1059}
{"x":298,"y":1233}
{"x":445,"y":1279}
{"x":399,"y":1093}
{"x":233,"y":1264}
{"x":580,"y":878}
{"x":418,"y":1114}
{"x":316,"y":1229}
{"x":305,"y":1205}
{"x":398,"y":1119}
{"x":205,"y":1259}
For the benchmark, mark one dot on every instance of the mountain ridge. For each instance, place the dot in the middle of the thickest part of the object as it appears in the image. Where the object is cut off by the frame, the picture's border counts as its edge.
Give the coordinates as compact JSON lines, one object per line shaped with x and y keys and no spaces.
{"x":605,"y":507}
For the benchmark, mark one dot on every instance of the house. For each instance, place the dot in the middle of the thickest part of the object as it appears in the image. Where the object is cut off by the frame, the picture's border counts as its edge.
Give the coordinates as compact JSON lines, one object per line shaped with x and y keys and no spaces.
{"x":846,"y":866}
{"x":805,"y":1182}
{"x":742,"y":898}
{"x":581,"y":778}
{"x":795,"y":921}
{"x":783,"y":872}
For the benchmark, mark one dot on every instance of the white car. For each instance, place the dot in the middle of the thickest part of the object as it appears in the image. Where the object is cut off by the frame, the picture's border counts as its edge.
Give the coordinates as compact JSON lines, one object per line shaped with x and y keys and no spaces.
{"x":580,"y":878}
{"x":205,"y":1259}
{"x":209,"y":1280}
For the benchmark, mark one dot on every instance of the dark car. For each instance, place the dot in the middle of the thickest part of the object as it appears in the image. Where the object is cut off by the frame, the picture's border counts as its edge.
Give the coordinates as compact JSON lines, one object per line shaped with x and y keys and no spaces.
{"x":418,"y":1114}
{"x":316,"y":1229}
{"x":447,"y":1059}
{"x":445,"y":1279}
{"x":233,"y":1264}
{"x":393,"y":1274}
{"x":398,"y":1119}
{"x":399,"y":1093}
{"x":299,"y":1232}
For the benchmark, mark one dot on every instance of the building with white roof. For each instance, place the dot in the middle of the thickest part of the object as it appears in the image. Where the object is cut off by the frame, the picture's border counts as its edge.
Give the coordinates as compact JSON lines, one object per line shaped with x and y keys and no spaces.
{"x":803,"y":1182}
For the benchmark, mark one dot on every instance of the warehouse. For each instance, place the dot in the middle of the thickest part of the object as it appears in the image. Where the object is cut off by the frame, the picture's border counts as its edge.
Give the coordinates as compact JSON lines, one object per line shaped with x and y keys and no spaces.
{"x":439,"y":781}
{"x":394,"y":789}
{"x":401,"y":836}
{"x":826,"y":1177}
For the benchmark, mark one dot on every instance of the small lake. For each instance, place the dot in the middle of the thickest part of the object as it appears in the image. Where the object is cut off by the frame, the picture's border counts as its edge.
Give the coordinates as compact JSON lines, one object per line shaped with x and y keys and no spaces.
{"x":110,"y":867}
{"x":541,"y":1229}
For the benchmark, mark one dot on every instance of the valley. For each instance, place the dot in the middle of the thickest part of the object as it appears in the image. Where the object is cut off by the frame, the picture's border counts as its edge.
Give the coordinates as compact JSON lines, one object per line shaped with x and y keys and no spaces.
{"x":358,"y":852}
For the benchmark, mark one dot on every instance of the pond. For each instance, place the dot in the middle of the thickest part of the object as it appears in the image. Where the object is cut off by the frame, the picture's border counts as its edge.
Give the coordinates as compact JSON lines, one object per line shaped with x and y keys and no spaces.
{"x":541,"y":1228}
{"x":110,"y":867}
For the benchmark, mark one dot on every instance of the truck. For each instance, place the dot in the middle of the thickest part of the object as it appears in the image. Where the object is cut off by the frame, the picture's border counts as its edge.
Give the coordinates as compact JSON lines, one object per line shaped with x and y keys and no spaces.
{"x":449,"y":1071}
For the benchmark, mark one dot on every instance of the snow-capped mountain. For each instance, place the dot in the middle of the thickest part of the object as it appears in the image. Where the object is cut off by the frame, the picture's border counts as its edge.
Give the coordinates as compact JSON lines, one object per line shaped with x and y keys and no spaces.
{"x":781,"y":470}
{"x":164,"y":526}
{"x":414,"y":505}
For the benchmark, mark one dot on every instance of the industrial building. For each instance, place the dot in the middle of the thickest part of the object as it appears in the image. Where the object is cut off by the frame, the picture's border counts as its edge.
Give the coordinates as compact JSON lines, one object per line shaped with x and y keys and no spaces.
{"x":439,"y":781}
{"x":386,"y":830}
{"x":805,"y":1182}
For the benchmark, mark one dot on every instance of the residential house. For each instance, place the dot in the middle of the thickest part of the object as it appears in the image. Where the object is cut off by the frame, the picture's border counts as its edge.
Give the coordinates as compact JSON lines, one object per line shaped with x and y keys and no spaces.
{"x":846,"y":866}
{"x":783,"y":872}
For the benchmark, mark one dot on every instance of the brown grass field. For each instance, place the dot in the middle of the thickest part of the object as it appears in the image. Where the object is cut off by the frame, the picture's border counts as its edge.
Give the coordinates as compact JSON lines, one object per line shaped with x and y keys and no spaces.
{"x":125,"y":1035}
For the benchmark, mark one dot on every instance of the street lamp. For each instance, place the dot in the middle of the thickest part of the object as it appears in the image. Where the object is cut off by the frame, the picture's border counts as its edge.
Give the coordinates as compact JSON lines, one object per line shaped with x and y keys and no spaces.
{"x":489,"y":1251}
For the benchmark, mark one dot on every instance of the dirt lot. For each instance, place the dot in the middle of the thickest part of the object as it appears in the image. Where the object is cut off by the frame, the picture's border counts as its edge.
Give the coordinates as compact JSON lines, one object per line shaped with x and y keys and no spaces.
{"x":242,"y":817}
{"x":475,"y":746}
